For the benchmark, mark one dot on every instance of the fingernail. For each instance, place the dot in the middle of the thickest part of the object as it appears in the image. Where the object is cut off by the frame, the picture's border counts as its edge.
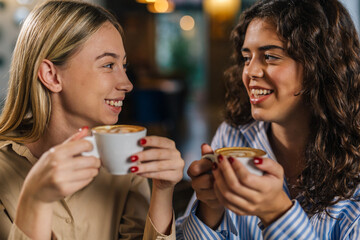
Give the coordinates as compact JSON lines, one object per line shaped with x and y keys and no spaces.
{"x":220,"y":158}
{"x":142,"y":141}
{"x":134,"y":169}
{"x":83,"y":128}
{"x":258,"y":160}
{"x":231,"y":159}
{"x":214,"y":166}
{"x":134,"y":158}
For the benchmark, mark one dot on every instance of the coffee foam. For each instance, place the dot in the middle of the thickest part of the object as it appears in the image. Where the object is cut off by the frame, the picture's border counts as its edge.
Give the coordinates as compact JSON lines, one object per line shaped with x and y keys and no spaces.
{"x":239,"y":152}
{"x":118,"y":129}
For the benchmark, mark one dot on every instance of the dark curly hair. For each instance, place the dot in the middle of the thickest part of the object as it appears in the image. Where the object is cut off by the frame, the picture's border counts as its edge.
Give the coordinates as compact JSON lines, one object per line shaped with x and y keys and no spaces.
{"x":320,"y":35}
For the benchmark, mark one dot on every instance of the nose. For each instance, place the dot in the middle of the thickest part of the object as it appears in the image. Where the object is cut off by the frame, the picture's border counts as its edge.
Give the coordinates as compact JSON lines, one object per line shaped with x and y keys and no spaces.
{"x":123,"y":83}
{"x":254,"y":69}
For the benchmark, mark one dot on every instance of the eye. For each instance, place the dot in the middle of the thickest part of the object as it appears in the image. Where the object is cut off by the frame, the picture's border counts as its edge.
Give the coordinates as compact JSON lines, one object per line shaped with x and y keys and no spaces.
{"x":110,"y":65}
{"x":270,"y":57}
{"x":245,"y":59}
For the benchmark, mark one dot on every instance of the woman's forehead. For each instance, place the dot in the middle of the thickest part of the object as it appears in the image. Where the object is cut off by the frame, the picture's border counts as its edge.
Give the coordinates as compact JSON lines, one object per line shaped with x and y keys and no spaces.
{"x":261,"y":31}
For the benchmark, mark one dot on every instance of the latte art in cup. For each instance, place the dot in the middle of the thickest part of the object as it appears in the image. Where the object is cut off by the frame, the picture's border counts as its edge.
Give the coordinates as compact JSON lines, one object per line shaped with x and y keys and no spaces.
{"x":243,"y":154}
{"x":240,"y":152}
{"x":118,"y":129}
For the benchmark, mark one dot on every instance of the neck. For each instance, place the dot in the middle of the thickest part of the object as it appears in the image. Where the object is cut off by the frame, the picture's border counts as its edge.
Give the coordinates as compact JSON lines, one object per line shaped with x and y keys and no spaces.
{"x":58,"y":130}
{"x":54,"y":135}
{"x":288,"y":142}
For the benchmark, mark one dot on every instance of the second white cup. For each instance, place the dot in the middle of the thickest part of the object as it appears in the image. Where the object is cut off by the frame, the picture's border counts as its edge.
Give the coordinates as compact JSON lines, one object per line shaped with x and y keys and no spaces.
{"x":243,"y":154}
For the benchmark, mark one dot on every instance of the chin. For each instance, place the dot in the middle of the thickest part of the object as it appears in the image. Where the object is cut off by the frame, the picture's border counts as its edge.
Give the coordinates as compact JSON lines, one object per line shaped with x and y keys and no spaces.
{"x":257,"y":116}
{"x":112,"y":121}
{"x":260,"y":119}
{"x":107,"y":122}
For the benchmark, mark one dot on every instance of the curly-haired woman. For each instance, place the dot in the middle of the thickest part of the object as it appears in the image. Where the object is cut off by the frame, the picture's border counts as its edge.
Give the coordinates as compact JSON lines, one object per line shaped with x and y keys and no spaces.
{"x":294,"y":91}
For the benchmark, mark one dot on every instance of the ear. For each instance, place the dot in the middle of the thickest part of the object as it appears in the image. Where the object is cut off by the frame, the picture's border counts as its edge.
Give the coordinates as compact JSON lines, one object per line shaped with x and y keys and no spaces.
{"x":48,"y":76}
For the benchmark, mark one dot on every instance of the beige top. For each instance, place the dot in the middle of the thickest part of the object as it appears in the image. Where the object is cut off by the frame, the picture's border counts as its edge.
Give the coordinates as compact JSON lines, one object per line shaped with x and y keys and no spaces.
{"x":111,"y":207}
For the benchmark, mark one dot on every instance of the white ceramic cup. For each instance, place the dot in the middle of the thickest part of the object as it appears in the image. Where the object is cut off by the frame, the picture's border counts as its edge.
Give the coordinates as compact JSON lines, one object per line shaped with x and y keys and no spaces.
{"x":243,"y":154}
{"x":114,"y":145}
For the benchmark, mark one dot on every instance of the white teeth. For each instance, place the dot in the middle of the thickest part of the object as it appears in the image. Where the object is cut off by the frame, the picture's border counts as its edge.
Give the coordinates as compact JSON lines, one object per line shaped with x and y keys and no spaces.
{"x":258,"y":92}
{"x":115,"y":103}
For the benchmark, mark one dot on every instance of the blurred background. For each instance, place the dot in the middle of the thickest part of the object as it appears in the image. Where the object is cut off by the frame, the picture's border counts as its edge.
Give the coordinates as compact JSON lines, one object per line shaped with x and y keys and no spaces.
{"x":177,"y":52}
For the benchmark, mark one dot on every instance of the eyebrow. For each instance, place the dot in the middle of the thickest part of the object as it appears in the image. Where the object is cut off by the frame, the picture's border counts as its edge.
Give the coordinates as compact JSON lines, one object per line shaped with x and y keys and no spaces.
{"x":264,"y":48}
{"x":114,"y":55}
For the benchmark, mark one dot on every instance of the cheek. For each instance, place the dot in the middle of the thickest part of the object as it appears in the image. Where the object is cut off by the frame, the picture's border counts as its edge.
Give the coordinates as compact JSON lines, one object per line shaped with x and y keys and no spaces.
{"x":292,"y":78}
{"x":87,"y":78}
{"x":290,"y":87}
{"x":286,"y":81}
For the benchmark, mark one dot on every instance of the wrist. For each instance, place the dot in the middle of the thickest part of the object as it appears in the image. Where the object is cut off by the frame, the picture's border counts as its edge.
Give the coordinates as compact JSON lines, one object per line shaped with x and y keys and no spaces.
{"x":161,"y":209}
{"x":162,"y":198}
{"x":165,"y":191}
{"x":28,"y":198}
{"x":283,"y":206}
{"x":212,"y":217}
{"x":34,"y":217}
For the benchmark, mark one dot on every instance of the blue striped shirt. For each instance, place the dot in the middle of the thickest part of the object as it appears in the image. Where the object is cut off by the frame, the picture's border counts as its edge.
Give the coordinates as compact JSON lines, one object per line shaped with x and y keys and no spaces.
{"x":294,"y":224}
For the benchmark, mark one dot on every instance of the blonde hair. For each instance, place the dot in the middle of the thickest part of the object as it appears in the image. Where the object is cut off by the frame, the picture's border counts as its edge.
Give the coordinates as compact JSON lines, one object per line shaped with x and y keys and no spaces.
{"x":55,"y":30}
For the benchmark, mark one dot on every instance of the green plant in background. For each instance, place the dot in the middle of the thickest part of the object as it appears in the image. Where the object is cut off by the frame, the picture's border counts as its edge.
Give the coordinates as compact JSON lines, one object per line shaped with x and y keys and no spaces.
{"x":181,"y":60}
{"x":182,"y":53}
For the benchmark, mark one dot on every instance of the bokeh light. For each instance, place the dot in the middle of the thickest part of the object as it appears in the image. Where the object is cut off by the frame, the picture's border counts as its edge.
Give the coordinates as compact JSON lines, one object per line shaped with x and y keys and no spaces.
{"x":187,"y":23}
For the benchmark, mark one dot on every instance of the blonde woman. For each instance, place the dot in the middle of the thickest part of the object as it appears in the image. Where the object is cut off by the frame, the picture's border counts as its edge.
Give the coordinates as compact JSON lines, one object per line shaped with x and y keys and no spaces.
{"x":68,"y":61}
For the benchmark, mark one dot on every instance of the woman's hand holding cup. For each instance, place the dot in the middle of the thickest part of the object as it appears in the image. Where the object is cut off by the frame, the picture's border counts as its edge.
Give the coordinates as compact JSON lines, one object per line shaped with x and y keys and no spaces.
{"x":62,"y":170}
{"x":245,"y":193}
{"x":209,"y":210}
{"x":160,"y":161}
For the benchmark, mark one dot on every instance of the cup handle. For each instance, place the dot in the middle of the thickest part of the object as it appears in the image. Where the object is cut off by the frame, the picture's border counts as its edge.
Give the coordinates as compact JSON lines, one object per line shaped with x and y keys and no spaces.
{"x":211,"y":156}
{"x":94,"y":152}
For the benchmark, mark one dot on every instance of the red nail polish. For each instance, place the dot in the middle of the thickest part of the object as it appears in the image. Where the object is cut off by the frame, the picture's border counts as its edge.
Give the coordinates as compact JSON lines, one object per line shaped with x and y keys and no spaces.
{"x":214,"y":166}
{"x":220,"y":158}
{"x":83,"y":128}
{"x":134,"y":169}
{"x":142,"y":141}
{"x":231,"y":159}
{"x":134,"y":158}
{"x":258,"y":160}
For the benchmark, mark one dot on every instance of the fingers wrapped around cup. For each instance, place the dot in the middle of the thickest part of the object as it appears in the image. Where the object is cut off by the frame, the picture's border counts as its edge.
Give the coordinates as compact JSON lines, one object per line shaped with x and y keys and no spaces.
{"x":160,"y":161}
{"x":246,"y":193}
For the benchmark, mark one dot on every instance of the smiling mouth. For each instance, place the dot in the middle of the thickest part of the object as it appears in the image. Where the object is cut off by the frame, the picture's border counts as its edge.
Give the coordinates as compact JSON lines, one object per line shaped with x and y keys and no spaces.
{"x":257,"y":93}
{"x":114,"y":103}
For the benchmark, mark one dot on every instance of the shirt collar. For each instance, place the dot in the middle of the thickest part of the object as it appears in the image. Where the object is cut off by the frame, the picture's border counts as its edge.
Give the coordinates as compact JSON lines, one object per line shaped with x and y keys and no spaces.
{"x":228,"y":224}
{"x":20,"y":149}
{"x":256,"y":135}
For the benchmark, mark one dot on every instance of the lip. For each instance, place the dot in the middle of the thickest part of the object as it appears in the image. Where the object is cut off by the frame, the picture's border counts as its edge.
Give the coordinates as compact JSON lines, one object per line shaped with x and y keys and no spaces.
{"x":257,"y":100}
{"x":116,"y":99}
{"x":114,"y":109}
